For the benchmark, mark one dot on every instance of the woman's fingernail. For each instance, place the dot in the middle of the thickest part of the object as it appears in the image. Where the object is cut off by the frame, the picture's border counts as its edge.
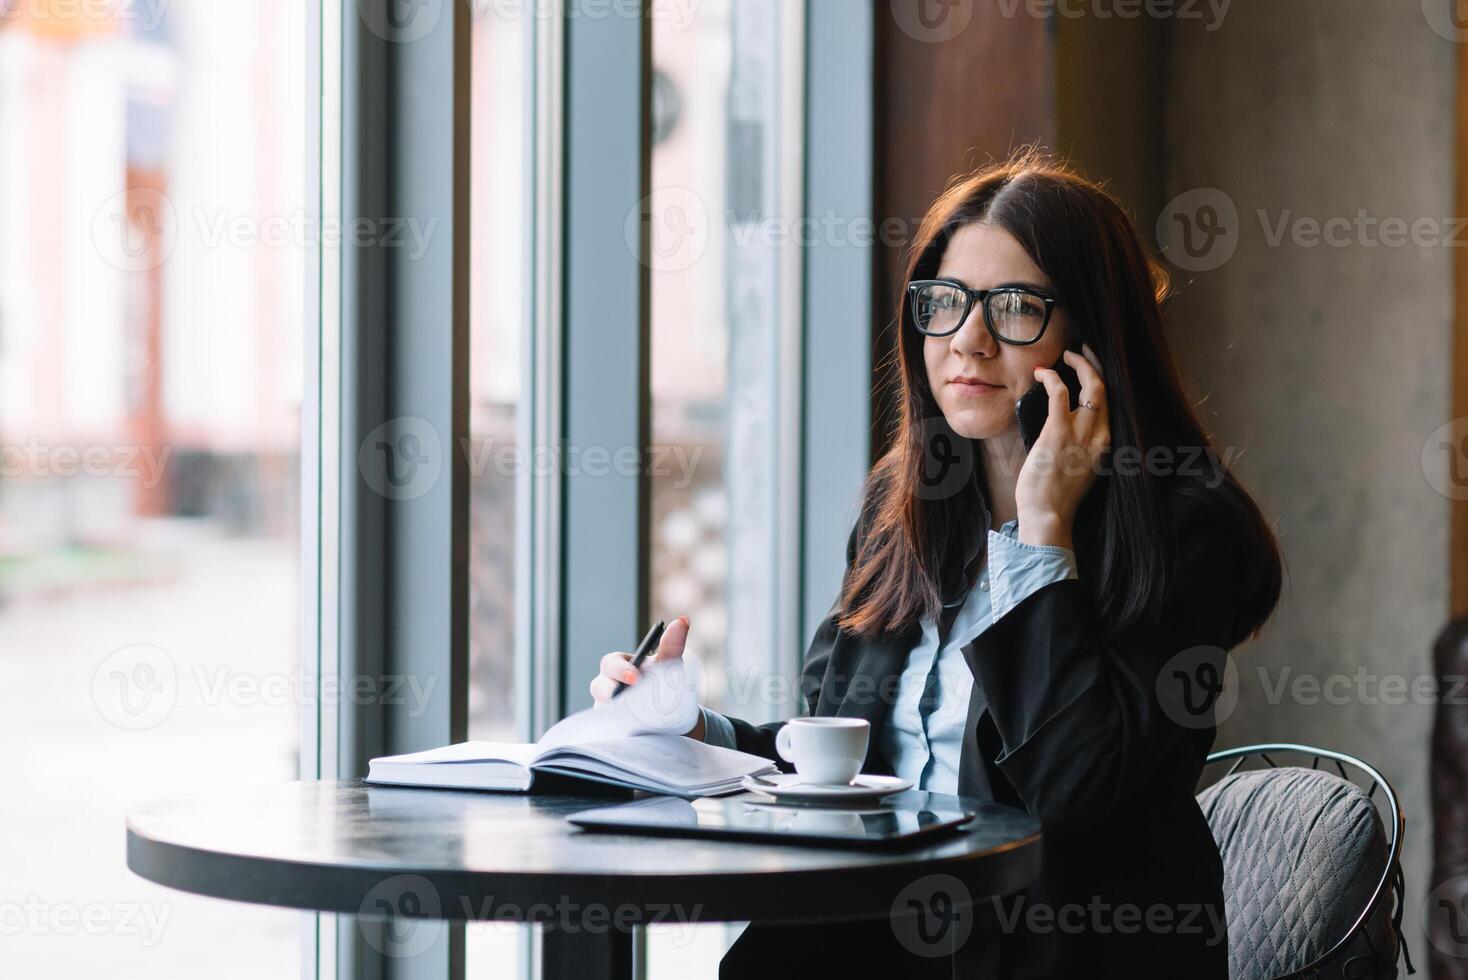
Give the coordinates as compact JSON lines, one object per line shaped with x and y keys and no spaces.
{"x":630,"y":676}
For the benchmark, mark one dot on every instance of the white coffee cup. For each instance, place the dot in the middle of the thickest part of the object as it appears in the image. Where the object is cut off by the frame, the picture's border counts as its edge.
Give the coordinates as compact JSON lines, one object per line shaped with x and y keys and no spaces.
{"x":828,"y":751}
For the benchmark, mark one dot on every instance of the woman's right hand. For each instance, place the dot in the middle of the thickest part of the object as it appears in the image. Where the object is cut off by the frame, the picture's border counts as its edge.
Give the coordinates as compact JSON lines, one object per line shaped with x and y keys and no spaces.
{"x":617,"y":666}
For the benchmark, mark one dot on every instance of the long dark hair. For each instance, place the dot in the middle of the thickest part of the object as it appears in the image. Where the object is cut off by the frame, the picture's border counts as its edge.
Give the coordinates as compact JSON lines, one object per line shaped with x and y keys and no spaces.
{"x":1112,"y":290}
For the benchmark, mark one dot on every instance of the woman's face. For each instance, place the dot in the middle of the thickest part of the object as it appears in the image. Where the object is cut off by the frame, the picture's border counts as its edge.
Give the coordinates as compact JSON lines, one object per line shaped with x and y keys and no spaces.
{"x":975,"y":378}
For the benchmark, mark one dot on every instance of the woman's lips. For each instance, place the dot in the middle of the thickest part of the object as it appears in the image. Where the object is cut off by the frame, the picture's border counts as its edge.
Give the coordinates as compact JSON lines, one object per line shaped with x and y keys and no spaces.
{"x":974,"y":388}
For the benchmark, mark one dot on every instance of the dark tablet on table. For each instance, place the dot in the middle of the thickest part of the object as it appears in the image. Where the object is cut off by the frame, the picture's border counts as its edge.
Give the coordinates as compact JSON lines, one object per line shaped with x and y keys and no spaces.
{"x":749,"y":817}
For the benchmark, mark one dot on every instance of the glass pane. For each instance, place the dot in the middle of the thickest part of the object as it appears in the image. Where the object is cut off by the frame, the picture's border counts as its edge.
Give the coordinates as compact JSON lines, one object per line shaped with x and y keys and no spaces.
{"x":152,"y":316}
{"x":496,"y":312}
{"x":723,"y":91}
{"x":497,"y":298}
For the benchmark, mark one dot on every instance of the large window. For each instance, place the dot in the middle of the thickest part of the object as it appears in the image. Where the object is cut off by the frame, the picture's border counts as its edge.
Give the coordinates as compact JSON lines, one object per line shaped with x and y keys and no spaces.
{"x":725,"y":327}
{"x":152,"y":313}
{"x":498,"y":305}
{"x":724,"y":270}
{"x":184,"y":191}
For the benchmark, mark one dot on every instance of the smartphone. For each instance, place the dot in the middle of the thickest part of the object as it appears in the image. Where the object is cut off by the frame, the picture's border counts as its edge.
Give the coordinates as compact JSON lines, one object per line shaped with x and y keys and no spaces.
{"x":1034,"y":407}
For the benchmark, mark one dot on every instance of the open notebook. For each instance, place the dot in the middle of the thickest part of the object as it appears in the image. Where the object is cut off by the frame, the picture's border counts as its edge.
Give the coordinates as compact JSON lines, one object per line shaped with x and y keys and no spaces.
{"x":668,"y":764}
{"x":629,"y":742}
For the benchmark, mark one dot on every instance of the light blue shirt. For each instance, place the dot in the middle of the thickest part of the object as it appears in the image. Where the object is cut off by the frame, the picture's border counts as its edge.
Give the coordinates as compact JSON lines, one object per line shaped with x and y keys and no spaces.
{"x":923,"y":736}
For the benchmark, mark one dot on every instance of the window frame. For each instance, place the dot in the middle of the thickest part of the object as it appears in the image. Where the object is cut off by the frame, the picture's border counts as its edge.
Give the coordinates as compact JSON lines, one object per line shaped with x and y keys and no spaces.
{"x":385,"y":583}
{"x":398,"y":348}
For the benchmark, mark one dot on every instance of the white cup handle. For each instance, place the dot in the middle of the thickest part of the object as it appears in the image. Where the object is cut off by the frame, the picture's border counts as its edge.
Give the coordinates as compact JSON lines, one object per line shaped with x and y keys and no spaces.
{"x":782,"y":743}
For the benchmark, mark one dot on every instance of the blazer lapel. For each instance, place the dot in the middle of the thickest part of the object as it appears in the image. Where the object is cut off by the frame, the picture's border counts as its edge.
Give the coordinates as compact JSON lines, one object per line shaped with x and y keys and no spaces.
{"x":977,"y":776}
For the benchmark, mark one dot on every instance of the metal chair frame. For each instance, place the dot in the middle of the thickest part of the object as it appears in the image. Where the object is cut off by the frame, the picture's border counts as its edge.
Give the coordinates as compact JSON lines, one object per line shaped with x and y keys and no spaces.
{"x":1391,"y":881}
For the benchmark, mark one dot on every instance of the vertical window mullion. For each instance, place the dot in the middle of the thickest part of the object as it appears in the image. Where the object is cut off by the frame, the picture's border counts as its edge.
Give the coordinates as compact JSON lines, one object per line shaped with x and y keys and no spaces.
{"x":539,"y":489}
{"x":838,"y":291}
{"x":320,"y":432}
{"x":605,"y":502}
{"x":404,"y":406}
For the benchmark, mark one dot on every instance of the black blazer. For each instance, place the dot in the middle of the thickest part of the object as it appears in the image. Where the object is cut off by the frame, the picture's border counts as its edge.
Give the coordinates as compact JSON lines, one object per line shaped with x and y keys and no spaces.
{"x":1103,"y":739}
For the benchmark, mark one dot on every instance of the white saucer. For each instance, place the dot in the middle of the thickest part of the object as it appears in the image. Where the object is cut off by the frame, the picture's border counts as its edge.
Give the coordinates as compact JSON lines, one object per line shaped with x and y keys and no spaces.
{"x":787,"y":788}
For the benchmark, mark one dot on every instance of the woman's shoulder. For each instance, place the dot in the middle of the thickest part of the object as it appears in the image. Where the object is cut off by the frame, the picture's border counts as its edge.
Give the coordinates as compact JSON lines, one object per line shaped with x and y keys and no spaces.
{"x":1222,"y":545}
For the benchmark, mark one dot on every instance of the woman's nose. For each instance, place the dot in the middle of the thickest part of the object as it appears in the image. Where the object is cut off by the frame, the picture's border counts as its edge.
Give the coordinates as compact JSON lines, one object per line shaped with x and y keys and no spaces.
{"x":973,"y":337}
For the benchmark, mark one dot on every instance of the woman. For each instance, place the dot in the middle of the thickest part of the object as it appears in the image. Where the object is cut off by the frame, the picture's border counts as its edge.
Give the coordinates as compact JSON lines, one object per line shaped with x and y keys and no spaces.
{"x":1056,"y":620}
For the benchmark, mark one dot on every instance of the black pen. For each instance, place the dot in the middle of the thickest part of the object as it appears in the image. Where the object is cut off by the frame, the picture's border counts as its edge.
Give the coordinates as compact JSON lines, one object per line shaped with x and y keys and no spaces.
{"x":648,"y":645}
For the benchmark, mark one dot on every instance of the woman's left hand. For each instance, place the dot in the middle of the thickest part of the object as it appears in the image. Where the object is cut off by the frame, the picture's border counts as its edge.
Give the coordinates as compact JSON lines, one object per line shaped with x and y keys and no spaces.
{"x":1066,"y":458}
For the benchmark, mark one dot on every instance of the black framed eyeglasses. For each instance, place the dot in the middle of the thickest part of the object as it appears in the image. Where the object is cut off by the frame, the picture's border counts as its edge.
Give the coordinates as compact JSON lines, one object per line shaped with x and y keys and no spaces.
{"x":1014,"y":314}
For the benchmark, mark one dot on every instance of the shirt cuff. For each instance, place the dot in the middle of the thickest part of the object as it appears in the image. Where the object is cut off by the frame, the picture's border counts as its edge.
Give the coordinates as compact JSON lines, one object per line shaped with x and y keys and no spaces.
{"x":717,"y":730}
{"x":1018,"y":570}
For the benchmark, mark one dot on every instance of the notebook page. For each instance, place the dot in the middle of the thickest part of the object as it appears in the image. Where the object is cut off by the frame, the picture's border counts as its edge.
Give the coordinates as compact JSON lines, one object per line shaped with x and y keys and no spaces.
{"x":664,"y":701}
{"x":515,"y":752}
{"x":670,"y":760}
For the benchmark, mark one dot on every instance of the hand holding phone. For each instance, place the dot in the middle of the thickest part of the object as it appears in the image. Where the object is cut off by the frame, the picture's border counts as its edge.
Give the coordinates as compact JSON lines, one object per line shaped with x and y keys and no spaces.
{"x":1052,"y":484}
{"x":1033,"y":408}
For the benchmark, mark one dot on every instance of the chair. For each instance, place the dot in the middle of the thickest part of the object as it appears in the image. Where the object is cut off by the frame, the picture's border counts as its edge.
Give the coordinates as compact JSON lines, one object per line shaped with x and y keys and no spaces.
{"x":1308,"y":866}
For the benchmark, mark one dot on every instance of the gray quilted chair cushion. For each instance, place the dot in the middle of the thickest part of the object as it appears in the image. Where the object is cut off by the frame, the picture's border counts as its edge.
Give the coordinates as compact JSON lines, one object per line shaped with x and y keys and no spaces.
{"x":1302,"y":852}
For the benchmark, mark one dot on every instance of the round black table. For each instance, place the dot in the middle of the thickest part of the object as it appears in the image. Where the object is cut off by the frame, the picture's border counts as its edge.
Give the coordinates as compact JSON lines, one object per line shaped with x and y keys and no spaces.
{"x":389,"y":853}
